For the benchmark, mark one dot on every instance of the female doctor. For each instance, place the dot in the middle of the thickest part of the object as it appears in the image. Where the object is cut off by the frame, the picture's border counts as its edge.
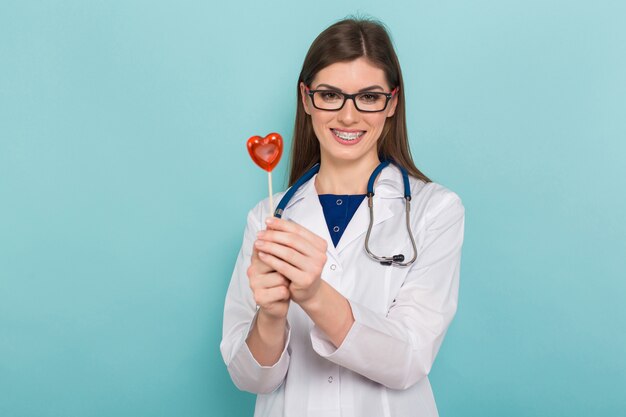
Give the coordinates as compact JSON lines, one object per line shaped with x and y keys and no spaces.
{"x":317,"y":321}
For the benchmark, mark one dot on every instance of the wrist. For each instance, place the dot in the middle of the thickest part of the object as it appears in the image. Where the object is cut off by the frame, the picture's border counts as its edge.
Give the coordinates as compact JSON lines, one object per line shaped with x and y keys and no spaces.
{"x":331,"y":312}
{"x":314,"y":303}
{"x":267,"y":319}
{"x":267,"y":338}
{"x":271,"y":329}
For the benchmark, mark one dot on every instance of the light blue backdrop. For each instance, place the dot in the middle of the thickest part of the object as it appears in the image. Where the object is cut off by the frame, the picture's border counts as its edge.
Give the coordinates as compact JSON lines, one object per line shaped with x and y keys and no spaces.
{"x":124,"y":188}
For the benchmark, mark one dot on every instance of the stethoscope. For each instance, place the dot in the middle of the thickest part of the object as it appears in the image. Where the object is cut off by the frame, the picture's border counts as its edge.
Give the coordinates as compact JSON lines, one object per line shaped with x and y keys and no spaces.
{"x":384,"y":260}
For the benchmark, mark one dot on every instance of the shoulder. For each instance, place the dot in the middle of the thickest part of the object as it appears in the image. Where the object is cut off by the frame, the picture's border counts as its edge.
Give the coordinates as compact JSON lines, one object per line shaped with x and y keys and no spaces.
{"x":432,"y":192}
{"x":427,"y":198}
{"x":431,"y":200}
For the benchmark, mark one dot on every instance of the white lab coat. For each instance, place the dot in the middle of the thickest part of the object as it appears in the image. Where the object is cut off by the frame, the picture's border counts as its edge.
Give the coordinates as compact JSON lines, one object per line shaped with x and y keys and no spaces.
{"x":401,"y":313}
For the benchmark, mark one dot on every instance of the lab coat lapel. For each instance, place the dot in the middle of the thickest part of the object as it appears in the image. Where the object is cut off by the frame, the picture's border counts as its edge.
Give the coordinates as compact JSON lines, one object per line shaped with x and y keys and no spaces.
{"x":360,"y":221}
{"x":307,"y":211}
{"x":385,"y":188}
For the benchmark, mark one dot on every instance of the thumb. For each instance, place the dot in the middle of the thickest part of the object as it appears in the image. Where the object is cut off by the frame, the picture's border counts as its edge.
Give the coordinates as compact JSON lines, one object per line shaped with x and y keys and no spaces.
{"x":255,"y":257}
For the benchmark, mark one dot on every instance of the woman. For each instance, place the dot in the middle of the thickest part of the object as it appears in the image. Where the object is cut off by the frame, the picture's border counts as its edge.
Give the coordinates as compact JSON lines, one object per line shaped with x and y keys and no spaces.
{"x":312,"y":324}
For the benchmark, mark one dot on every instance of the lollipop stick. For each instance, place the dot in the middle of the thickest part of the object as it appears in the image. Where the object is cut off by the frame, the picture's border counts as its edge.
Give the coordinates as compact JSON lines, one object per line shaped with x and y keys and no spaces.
{"x":269,"y":181}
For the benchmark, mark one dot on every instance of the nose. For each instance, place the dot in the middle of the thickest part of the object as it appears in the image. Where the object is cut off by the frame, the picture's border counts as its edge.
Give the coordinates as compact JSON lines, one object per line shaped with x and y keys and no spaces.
{"x":348,"y":114}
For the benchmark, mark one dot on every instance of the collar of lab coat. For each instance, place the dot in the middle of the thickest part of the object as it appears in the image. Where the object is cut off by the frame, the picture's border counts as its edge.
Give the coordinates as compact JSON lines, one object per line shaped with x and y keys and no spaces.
{"x":306,"y":209}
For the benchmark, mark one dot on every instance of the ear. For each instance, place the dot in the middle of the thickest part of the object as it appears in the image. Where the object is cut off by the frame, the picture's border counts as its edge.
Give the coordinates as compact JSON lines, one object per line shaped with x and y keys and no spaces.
{"x":393,"y":103}
{"x":305,"y":98}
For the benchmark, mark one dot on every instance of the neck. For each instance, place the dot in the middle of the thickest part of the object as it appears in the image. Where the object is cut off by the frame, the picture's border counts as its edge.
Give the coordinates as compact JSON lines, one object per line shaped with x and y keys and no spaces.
{"x":344,"y":177}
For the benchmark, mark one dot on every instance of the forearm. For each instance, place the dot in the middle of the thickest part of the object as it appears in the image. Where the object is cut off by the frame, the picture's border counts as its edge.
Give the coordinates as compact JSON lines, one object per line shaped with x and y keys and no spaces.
{"x":267,"y":338}
{"x":331,"y":313}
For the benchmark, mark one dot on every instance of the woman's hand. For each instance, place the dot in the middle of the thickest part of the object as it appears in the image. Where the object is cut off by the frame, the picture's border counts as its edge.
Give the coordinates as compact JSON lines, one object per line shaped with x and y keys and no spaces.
{"x":270,"y":288}
{"x":267,"y":337}
{"x":295,"y":253}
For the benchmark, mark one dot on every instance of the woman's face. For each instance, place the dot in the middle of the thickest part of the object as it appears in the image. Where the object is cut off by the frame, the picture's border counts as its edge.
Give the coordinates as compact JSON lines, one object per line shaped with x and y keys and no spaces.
{"x":349,"y":77}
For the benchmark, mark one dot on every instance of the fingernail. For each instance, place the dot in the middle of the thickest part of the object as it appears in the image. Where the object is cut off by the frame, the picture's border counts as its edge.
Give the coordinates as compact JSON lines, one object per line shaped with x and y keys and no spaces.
{"x":261,"y":233}
{"x":259,"y":243}
{"x":269,"y":220}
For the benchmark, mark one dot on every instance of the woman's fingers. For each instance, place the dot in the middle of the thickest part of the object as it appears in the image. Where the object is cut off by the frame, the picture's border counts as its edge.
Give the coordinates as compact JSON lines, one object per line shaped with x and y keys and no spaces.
{"x":296,"y":266}
{"x":286,"y":253}
{"x":270,"y":289}
{"x":263,"y":281}
{"x":274,"y":223}
{"x":296,"y":253}
{"x":267,"y":296}
{"x":270,"y":292}
{"x":282,"y":267}
{"x":257,"y":265}
{"x":292,"y":240}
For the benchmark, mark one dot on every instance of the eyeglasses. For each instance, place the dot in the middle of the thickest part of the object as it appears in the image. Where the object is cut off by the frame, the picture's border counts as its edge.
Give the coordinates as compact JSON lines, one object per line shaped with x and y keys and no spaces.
{"x":367,"y":102}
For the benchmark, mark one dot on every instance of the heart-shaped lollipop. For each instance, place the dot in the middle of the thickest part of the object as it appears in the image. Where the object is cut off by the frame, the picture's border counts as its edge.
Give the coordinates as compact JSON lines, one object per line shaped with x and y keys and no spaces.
{"x":266,"y":152}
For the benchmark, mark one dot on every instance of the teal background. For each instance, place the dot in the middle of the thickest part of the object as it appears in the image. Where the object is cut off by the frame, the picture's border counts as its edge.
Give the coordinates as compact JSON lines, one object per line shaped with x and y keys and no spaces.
{"x":124,"y":188}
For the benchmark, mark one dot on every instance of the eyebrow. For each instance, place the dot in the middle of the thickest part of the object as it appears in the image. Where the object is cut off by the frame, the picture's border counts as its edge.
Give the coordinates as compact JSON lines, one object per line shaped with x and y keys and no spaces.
{"x":370,"y":88}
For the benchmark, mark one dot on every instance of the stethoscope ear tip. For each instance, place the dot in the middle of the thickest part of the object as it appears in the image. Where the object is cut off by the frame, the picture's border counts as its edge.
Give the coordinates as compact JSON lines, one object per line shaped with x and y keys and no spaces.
{"x":394,"y":259}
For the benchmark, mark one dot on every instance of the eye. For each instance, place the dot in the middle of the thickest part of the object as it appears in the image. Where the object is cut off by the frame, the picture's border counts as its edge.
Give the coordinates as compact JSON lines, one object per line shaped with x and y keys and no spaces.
{"x":369,"y":97}
{"x":329,"y":95}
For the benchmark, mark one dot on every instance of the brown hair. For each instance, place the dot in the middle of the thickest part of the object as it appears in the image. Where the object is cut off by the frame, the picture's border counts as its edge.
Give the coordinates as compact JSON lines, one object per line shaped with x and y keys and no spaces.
{"x":344,"y":41}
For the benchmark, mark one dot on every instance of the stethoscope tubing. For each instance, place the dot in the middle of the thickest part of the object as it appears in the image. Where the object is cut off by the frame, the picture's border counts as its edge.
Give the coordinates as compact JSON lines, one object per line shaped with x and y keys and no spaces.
{"x":397,"y":260}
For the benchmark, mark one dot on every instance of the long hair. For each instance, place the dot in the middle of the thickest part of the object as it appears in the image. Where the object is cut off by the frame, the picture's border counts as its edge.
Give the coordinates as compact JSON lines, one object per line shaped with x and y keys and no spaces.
{"x":346,"y":41}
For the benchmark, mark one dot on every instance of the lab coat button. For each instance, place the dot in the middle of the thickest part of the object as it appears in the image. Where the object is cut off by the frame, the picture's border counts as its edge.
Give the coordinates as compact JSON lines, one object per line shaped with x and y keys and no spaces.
{"x":336,"y":229}
{"x":333,"y":267}
{"x":330,"y":379}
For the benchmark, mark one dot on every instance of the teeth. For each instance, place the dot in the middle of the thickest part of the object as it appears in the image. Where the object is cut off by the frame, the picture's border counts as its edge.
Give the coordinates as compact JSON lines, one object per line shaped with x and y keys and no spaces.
{"x":347,"y":136}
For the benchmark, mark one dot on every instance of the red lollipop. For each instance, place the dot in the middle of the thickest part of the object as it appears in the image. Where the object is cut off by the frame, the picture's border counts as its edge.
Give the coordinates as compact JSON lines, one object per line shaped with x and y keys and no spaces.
{"x":266,"y":152}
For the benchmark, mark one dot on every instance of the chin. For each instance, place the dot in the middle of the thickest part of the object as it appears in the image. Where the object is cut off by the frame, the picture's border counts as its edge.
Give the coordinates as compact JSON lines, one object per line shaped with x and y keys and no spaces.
{"x":348,"y":156}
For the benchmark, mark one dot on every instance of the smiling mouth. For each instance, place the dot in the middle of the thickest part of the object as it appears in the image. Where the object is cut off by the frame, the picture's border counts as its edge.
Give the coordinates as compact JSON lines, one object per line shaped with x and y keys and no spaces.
{"x":347,"y":136}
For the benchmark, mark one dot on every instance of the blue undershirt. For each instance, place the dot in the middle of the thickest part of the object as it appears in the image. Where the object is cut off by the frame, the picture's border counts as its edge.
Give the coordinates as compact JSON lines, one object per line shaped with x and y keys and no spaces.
{"x":338,"y":210}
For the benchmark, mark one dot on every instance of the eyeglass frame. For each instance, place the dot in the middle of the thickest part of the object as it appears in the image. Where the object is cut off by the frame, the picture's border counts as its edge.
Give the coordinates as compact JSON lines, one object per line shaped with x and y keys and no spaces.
{"x":352,"y":97}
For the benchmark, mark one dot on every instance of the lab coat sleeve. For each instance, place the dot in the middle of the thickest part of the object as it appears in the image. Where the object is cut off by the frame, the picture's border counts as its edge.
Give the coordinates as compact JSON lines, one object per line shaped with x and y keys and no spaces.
{"x":239,"y":316}
{"x":398,"y":349}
